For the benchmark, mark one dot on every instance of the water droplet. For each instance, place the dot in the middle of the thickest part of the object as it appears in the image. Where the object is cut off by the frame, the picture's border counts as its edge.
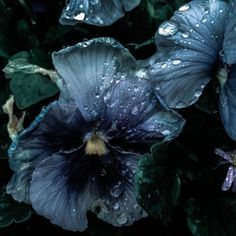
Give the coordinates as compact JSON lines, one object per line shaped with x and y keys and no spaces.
{"x":122,"y":219}
{"x":116,"y":190}
{"x":221,"y":53}
{"x":221,"y":10}
{"x":167,"y":28}
{"x":204,"y":19}
{"x":197,"y":93}
{"x":135,"y":111}
{"x":197,"y":25}
{"x":163,"y":65}
{"x":180,"y":105}
{"x":176,"y":62}
{"x":79,"y":15}
{"x":166,"y":132}
{"x":235,"y":28}
{"x":212,"y":22}
{"x":185,"y":7}
{"x":116,"y":206}
{"x":186,"y":34}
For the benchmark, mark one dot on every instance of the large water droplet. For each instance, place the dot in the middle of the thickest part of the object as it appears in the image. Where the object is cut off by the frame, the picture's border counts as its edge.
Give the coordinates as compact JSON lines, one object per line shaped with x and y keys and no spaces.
{"x":185,"y":7}
{"x":167,"y":28}
{"x":116,"y":206}
{"x":186,"y":34}
{"x":122,"y":219}
{"x":176,"y":62}
{"x":79,"y":15}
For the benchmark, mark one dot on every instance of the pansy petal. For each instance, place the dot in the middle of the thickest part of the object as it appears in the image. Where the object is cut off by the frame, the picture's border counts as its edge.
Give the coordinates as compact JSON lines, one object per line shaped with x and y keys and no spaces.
{"x":63,"y":191}
{"x":55,"y":129}
{"x":95,"y":12}
{"x":53,"y":197}
{"x":187,"y":49}
{"x":139,"y":114}
{"x":229,"y":46}
{"x":117,"y":202}
{"x":227,"y":106}
{"x":89,"y":68}
{"x":229,"y":179}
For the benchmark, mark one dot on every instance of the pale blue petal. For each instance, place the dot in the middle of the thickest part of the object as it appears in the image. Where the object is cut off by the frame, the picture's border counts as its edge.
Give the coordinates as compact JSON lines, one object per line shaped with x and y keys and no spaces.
{"x":88,"y":69}
{"x":136,"y":114}
{"x":188,"y":47}
{"x":230,"y":35}
{"x":227,"y":106}
{"x":96,"y":12}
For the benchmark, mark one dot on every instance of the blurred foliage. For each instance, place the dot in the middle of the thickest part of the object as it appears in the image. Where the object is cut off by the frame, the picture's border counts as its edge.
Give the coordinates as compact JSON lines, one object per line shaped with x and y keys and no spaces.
{"x":12,"y":211}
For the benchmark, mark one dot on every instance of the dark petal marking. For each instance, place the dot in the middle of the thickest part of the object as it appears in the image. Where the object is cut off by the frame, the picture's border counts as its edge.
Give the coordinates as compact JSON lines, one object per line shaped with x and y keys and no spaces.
{"x":230,"y":35}
{"x":88,"y":69}
{"x":64,"y":195}
{"x":227,"y":105}
{"x":96,"y":12}
{"x":187,"y":49}
{"x":136,"y":114}
{"x":57,"y":127}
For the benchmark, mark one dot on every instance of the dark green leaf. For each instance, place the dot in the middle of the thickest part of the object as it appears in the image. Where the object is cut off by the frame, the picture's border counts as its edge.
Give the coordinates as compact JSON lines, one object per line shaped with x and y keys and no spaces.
{"x":12,"y":211}
{"x":211,"y":216}
{"x":158,"y":183}
{"x":28,"y":84}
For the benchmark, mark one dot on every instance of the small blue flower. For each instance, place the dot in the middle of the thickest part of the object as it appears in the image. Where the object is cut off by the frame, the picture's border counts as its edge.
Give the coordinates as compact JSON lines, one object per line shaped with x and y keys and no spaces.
{"x":96,"y":12}
{"x":230,"y":179}
{"x":81,"y":153}
{"x":197,"y":44}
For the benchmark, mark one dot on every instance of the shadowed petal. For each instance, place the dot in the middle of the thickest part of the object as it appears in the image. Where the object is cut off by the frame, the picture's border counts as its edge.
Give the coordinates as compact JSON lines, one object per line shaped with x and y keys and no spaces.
{"x":88,"y":69}
{"x":187,"y":49}
{"x":95,"y":12}
{"x":230,"y":35}
{"x":63,"y":190}
{"x":55,"y":128}
{"x":229,"y":179}
{"x":139,"y":114}
{"x":227,"y":106}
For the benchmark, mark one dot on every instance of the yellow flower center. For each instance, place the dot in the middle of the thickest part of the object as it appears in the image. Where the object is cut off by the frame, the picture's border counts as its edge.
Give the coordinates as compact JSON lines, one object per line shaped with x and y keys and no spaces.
{"x":95,"y":146}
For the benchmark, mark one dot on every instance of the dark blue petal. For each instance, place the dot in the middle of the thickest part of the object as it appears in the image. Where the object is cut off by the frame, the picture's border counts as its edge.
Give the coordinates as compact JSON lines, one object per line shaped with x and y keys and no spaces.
{"x":96,"y":12}
{"x":230,"y":35}
{"x":58,"y":127}
{"x":88,"y":69}
{"x":60,"y":192}
{"x":137,"y":114}
{"x":227,"y":106}
{"x":187,"y":49}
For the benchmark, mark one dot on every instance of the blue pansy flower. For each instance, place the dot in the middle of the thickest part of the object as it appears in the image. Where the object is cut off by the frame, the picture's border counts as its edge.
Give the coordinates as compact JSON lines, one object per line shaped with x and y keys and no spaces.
{"x":81,"y":152}
{"x":196,"y":44}
{"x":96,"y":12}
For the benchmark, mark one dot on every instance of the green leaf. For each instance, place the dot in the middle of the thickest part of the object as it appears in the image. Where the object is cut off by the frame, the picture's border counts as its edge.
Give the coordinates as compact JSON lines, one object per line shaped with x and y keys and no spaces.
{"x":29,"y":84}
{"x":157,"y":183}
{"x":211,"y":216}
{"x":12,"y":211}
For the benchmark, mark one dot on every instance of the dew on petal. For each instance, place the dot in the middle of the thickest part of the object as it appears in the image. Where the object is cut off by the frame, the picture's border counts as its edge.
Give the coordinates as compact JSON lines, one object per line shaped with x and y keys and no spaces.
{"x":176,"y":62}
{"x":116,"y":206}
{"x":168,"y":28}
{"x":185,"y":7}
{"x":79,"y":16}
{"x":122,"y":219}
{"x":116,"y":190}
